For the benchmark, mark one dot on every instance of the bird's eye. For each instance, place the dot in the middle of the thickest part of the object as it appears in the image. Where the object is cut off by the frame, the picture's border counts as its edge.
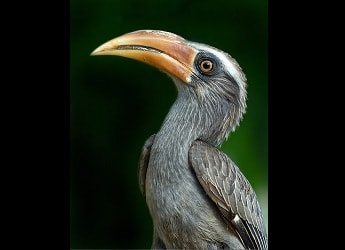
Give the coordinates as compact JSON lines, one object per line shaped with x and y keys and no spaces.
{"x":206,"y":66}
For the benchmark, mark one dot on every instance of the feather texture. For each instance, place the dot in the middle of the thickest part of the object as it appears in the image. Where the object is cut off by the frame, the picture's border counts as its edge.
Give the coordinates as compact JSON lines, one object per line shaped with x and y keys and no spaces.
{"x":231,"y":192}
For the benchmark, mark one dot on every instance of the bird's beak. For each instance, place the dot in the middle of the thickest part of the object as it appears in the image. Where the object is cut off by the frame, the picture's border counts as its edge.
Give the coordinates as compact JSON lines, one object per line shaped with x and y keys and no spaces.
{"x":163,"y":50}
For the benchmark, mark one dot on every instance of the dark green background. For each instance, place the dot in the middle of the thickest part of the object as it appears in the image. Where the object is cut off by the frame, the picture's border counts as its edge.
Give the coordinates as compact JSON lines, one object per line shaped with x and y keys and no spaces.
{"x":117,"y":103}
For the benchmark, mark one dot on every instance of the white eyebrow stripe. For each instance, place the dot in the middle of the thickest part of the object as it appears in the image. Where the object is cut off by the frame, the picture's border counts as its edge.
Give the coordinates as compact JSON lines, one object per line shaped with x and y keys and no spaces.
{"x":227,"y":62}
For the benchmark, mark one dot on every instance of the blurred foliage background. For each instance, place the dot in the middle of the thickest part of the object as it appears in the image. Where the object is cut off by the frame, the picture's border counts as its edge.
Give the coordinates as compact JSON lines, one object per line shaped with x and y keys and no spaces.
{"x":117,"y":103}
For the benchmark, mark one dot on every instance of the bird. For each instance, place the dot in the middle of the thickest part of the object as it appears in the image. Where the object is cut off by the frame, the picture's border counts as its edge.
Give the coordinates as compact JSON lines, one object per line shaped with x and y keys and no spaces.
{"x":197,"y":197}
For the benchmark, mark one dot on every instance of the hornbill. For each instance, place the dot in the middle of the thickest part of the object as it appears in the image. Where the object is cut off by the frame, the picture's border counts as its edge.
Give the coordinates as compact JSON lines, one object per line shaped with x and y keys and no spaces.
{"x":197,"y":196}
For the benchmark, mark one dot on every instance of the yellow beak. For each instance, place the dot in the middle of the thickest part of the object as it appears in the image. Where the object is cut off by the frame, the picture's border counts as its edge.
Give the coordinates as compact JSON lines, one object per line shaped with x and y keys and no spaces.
{"x":163,"y":50}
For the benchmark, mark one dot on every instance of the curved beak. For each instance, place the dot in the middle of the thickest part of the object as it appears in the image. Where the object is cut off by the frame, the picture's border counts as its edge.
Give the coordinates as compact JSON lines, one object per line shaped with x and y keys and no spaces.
{"x":163,"y":50}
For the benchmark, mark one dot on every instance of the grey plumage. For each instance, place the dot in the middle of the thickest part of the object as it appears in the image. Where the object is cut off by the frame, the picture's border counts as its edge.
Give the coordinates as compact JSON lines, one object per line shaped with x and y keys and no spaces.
{"x":197,"y":197}
{"x":230,"y":190}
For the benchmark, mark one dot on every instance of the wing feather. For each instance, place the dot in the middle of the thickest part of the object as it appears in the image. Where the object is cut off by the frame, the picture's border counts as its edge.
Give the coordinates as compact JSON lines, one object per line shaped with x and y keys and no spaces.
{"x":231,"y":191}
{"x":143,"y":163}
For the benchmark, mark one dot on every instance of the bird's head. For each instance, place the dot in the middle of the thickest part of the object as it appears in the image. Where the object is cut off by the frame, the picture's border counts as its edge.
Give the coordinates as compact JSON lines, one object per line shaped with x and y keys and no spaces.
{"x":208,"y":76}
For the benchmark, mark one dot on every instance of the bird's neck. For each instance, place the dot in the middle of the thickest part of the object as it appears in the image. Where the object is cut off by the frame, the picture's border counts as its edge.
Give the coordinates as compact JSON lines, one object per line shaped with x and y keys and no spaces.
{"x":169,"y":152}
{"x":179,"y":128}
{"x":190,"y":119}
